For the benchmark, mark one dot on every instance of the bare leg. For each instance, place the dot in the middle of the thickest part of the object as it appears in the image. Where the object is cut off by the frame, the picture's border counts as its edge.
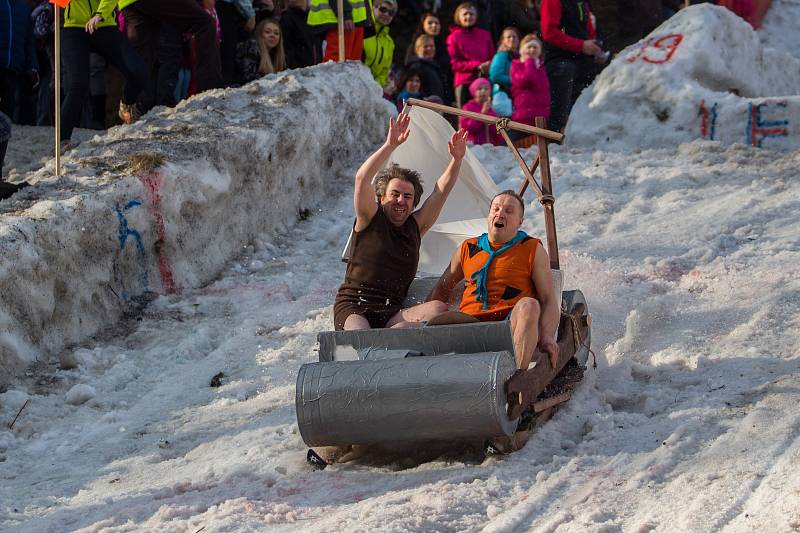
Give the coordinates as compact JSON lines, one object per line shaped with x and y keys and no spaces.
{"x":412,"y":316}
{"x":525,"y":330}
{"x":356,"y":322}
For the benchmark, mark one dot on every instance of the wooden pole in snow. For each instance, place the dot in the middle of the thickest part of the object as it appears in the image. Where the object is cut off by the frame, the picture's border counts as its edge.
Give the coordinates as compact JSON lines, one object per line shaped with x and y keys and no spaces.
{"x":340,"y":23}
{"x":57,"y":74}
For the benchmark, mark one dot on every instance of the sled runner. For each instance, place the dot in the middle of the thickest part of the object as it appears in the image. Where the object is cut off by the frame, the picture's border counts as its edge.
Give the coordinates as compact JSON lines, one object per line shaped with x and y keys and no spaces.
{"x":452,"y":380}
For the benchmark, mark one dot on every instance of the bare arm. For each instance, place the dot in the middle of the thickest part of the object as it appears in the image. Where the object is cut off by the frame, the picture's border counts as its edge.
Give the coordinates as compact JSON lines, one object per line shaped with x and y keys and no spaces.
{"x":427,"y":214}
{"x":451,"y":276}
{"x":364,"y":195}
{"x":550,"y":315}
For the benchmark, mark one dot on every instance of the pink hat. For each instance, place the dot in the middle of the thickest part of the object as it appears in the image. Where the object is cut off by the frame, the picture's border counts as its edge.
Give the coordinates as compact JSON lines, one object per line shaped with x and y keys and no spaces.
{"x":480,"y":82}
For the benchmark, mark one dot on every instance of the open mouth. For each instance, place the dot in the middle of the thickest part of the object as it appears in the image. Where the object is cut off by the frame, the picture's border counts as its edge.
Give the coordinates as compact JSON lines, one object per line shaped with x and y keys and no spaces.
{"x":498,"y":224}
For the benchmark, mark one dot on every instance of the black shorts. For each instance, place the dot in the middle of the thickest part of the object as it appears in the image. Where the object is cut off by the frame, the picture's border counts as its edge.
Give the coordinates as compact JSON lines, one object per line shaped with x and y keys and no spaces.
{"x":376,"y":315}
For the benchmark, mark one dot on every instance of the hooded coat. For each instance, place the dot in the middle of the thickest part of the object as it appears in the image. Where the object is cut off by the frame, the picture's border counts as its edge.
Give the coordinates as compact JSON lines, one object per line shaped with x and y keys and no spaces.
{"x":530,"y":91}
{"x":468,"y":48}
{"x":379,"y":52}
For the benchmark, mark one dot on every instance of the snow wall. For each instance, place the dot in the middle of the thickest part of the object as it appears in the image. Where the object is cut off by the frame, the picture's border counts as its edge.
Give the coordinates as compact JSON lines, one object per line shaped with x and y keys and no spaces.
{"x":702,"y":74}
{"x":163,"y":205}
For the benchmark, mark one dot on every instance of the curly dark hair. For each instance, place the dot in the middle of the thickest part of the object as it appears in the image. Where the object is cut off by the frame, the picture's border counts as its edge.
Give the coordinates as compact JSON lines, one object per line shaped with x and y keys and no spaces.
{"x":396,"y":171}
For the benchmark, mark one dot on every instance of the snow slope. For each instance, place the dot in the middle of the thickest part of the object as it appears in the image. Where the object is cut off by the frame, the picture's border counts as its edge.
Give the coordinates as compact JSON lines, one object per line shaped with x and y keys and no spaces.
{"x":164,"y":204}
{"x":703,"y":73}
{"x":688,"y":260}
{"x":688,"y":257}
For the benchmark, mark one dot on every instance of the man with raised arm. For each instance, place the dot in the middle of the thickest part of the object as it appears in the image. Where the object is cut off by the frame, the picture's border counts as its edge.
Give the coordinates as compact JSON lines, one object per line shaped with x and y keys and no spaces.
{"x":386,"y":236}
{"x":507,"y":273}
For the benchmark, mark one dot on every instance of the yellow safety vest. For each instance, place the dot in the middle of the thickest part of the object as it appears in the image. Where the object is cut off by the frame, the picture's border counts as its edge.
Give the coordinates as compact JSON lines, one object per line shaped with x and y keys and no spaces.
{"x":321,"y":14}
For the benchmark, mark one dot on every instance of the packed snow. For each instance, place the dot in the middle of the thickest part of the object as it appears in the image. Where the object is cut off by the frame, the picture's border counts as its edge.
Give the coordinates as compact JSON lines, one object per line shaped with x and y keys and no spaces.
{"x":687,"y":256}
{"x":164,"y":204}
{"x":704,"y":73}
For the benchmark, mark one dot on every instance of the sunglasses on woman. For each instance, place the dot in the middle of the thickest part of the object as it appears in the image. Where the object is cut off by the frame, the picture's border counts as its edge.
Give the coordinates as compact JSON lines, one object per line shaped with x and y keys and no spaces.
{"x":386,"y":10}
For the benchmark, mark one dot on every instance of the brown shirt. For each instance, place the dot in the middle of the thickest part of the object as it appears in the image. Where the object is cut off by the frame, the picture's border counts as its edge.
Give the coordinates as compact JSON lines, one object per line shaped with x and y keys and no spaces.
{"x":383,"y":263}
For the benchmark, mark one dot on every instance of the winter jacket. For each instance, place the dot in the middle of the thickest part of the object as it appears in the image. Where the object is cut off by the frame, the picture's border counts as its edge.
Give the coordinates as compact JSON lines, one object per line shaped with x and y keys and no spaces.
{"x":379,"y":52}
{"x":430,"y":75}
{"x":244,"y":7}
{"x":298,"y":41}
{"x":477,"y":130}
{"x":404,"y":95}
{"x":441,"y":58}
{"x":78,"y":13}
{"x":565,"y":25}
{"x":530,"y":91}
{"x":125,"y":3}
{"x":16,"y":47}
{"x":468,"y":48}
{"x":500,"y":71}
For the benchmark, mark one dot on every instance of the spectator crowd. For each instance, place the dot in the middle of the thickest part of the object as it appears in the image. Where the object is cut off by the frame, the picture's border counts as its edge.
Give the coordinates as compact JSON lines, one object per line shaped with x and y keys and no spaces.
{"x":510,"y":58}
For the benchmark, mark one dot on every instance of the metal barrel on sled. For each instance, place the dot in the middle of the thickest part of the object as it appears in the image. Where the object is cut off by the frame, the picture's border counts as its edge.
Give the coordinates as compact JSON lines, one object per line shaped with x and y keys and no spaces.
{"x":433,"y":383}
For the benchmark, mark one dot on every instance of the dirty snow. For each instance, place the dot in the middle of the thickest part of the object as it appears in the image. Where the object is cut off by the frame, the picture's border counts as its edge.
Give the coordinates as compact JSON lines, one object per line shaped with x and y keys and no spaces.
{"x":119,"y":225}
{"x":688,"y":258}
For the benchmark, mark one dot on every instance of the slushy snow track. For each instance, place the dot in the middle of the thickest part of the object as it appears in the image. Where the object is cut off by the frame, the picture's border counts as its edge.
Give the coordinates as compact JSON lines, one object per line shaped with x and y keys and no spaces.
{"x":688,"y":259}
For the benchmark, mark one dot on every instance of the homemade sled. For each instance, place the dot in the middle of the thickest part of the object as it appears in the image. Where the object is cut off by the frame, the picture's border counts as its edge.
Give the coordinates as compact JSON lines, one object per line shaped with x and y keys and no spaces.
{"x":451,"y":382}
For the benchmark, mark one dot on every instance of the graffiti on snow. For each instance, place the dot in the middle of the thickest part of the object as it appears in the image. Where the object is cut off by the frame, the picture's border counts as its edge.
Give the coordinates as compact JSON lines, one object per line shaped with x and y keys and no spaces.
{"x":760,"y":127}
{"x":124,"y":234}
{"x":657,"y":50}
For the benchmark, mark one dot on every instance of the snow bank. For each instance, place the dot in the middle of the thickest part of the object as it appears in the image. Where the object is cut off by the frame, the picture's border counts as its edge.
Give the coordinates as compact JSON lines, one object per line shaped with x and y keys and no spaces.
{"x":162,"y":205}
{"x":702,"y":74}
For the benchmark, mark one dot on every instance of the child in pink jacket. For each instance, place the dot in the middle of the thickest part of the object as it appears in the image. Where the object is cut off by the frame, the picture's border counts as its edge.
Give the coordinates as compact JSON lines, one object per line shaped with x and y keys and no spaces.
{"x":477,"y":131}
{"x":530,"y":88}
{"x":470,"y":48}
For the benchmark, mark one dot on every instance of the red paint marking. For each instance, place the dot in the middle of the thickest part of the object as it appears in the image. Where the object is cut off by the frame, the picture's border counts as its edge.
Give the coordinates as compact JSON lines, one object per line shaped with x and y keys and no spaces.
{"x":657,"y":50}
{"x":703,"y":120}
{"x":152,"y":181}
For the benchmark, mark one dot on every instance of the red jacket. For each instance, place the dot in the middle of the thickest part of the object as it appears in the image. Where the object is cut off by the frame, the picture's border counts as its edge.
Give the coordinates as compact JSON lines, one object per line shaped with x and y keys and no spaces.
{"x":565,"y":26}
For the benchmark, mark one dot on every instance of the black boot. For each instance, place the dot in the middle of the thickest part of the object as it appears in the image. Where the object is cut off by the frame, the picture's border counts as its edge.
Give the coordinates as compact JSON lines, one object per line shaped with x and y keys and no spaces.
{"x":7,"y":189}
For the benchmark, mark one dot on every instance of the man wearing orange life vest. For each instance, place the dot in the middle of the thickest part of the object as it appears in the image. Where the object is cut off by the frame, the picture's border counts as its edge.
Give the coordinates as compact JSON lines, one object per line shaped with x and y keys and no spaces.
{"x":507,"y":273}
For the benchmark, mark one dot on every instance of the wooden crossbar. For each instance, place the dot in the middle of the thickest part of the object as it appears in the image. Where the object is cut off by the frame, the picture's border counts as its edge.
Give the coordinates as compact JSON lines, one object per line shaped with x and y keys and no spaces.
{"x":552,"y":136}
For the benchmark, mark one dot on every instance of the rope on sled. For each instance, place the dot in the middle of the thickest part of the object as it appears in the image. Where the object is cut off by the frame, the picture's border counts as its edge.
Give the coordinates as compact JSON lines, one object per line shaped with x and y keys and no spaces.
{"x":576,"y":338}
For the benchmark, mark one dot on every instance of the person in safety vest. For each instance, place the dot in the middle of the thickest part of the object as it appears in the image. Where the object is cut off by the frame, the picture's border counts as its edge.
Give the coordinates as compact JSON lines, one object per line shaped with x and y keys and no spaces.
{"x":92,"y":27}
{"x":322,"y":19}
{"x":378,"y":44}
{"x":507,"y":277}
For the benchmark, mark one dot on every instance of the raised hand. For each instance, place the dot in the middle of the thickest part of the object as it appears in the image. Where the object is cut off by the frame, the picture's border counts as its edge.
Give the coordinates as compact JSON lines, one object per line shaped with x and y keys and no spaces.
{"x":457,"y":145}
{"x":398,"y":130}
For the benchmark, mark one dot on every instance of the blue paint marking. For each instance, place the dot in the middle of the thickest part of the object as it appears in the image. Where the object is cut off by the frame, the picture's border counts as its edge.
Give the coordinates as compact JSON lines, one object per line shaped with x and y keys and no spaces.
{"x":123,"y":233}
{"x":763,"y":129}
{"x":713,"y":129}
